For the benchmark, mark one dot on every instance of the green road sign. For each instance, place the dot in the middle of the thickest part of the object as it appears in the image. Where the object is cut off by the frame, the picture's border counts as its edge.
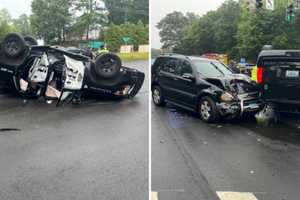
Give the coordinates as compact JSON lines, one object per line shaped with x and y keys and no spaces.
{"x":96,"y":44}
{"x":126,"y":39}
{"x":290,"y":18}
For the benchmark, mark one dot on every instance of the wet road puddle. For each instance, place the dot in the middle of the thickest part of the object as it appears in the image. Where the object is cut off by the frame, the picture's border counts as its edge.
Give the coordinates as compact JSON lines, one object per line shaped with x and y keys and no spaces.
{"x":281,"y":131}
{"x":286,"y":130}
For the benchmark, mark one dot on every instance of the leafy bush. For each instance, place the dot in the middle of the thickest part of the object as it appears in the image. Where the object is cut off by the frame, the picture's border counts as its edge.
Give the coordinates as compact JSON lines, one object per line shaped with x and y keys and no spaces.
{"x":138,"y":34}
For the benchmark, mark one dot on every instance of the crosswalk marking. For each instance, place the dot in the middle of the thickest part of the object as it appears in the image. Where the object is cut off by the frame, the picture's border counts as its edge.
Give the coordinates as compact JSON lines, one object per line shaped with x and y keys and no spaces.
{"x":154,"y":196}
{"x":236,"y":196}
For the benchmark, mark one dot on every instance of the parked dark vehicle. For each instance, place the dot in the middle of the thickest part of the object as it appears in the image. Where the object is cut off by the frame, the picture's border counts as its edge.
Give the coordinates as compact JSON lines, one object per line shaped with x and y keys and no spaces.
{"x":278,"y":75}
{"x":56,"y":73}
{"x":203,"y":85}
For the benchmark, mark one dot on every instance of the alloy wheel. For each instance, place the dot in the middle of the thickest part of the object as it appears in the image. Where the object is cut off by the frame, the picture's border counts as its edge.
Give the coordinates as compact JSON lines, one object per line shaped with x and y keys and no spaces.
{"x":205,"y":110}
{"x":156,"y":96}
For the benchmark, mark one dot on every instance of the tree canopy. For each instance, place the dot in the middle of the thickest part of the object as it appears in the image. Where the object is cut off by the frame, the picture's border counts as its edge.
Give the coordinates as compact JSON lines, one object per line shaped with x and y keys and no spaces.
{"x":56,"y":20}
{"x":5,"y":23}
{"x":138,"y":34}
{"x":50,"y":19}
{"x":232,"y":29}
{"x":172,"y":28}
{"x":127,"y":11}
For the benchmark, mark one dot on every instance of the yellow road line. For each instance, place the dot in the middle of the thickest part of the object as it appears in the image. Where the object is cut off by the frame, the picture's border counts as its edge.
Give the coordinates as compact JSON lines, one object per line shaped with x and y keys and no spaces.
{"x":154,"y":196}
{"x":236,"y":196}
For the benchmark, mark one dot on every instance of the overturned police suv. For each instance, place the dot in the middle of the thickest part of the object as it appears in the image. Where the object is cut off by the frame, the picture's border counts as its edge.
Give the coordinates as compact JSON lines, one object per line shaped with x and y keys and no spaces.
{"x":203,"y":85}
{"x":56,"y":73}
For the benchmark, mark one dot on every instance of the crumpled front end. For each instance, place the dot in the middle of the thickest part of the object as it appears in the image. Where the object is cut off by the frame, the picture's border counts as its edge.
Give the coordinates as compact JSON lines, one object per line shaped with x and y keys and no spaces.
{"x":244,"y":103}
{"x":241,"y":96}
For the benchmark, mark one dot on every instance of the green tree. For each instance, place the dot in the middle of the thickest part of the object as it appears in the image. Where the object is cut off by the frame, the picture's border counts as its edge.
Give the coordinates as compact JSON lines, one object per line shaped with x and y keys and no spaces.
{"x":171,"y":28}
{"x":213,"y":32}
{"x":92,"y":15}
{"x":232,"y":29}
{"x":138,"y":34}
{"x":5,"y":23}
{"x":23,"y":25}
{"x":127,"y":11}
{"x":256,"y":29}
{"x":50,"y":19}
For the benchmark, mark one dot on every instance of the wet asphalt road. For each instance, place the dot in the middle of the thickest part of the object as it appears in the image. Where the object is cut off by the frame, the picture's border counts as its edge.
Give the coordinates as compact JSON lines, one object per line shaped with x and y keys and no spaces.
{"x":192,"y":160}
{"x":98,"y":150}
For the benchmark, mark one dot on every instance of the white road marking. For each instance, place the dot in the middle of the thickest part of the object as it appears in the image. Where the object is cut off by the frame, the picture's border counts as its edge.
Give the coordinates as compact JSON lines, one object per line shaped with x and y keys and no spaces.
{"x":236,"y":196}
{"x":154,"y":196}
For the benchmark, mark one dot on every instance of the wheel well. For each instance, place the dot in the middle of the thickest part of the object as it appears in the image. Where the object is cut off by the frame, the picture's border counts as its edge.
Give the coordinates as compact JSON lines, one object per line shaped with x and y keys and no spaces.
{"x":205,"y":94}
{"x":154,"y":84}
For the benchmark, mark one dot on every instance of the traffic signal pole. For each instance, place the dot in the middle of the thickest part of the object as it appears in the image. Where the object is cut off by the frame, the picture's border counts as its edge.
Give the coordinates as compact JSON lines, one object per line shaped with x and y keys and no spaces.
{"x":290,"y":12}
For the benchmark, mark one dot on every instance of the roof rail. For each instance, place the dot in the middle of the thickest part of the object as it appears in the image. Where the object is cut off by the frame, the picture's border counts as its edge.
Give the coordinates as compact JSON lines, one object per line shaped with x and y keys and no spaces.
{"x":169,"y":54}
{"x":175,"y":54}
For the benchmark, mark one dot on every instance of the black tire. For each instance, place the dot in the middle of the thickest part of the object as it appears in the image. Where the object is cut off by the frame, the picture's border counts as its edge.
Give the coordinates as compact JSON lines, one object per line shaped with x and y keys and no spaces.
{"x":13,"y":45}
{"x":207,"y":110}
{"x":30,"y":41}
{"x":108,"y":65}
{"x":157,"y":96}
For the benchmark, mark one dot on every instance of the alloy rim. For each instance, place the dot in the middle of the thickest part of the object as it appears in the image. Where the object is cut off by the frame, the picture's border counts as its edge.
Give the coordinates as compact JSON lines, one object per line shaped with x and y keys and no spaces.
{"x":205,"y":110}
{"x":156,"y":96}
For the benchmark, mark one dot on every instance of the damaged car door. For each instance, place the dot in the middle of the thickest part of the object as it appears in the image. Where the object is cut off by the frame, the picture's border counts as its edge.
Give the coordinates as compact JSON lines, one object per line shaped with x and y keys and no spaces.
{"x":185,"y":83}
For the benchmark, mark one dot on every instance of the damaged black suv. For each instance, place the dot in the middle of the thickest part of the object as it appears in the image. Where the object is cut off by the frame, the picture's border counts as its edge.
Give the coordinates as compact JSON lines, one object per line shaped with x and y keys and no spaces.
{"x":203,"y":85}
{"x":58,"y":73}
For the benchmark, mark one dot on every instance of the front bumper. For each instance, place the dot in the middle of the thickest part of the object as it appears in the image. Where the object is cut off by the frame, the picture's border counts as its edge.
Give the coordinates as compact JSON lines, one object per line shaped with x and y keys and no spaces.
{"x":244,"y":104}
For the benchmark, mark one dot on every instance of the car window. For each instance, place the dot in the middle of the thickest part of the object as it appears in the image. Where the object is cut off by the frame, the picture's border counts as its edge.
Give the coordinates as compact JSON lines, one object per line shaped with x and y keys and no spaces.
{"x":157,"y":65}
{"x":211,"y":68}
{"x":169,"y":65}
{"x":183,"y":67}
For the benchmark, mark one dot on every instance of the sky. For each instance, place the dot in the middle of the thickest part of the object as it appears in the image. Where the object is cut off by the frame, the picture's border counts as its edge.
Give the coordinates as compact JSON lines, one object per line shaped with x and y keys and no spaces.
{"x":160,"y":8}
{"x":16,"y":7}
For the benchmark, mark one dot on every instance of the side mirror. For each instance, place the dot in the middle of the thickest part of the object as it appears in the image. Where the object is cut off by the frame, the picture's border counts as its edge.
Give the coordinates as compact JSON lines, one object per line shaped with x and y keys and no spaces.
{"x":188,"y":76}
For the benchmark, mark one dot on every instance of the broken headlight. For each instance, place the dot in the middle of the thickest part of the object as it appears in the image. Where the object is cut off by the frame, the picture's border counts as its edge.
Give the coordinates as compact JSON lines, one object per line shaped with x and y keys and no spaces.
{"x":226,"y":97}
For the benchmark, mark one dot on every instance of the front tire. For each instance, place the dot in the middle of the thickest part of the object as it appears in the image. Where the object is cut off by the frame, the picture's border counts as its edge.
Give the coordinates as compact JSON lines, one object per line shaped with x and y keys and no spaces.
{"x":207,"y":110}
{"x":157,"y":96}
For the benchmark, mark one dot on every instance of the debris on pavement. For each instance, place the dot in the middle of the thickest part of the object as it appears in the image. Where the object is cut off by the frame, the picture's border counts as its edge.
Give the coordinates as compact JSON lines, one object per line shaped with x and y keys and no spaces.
{"x":267,"y":116}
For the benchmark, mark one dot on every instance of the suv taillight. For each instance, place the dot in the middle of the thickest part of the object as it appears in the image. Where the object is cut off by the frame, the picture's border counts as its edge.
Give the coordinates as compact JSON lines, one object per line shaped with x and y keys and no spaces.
{"x":259,"y":75}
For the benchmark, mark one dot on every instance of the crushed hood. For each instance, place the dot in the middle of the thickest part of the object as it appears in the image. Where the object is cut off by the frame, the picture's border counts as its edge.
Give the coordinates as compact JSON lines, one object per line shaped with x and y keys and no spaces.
{"x":235,"y":83}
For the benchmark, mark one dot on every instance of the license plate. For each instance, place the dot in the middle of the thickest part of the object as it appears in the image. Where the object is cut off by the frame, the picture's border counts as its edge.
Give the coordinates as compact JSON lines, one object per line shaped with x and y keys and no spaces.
{"x":292,"y":74}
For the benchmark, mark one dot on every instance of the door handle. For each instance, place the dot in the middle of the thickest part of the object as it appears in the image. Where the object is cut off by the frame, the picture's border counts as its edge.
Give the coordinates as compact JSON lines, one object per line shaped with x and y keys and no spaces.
{"x":175,"y":79}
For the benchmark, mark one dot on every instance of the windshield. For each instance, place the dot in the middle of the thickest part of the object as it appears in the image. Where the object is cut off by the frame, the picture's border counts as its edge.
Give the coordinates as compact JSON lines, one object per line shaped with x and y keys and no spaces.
{"x":211,"y":68}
